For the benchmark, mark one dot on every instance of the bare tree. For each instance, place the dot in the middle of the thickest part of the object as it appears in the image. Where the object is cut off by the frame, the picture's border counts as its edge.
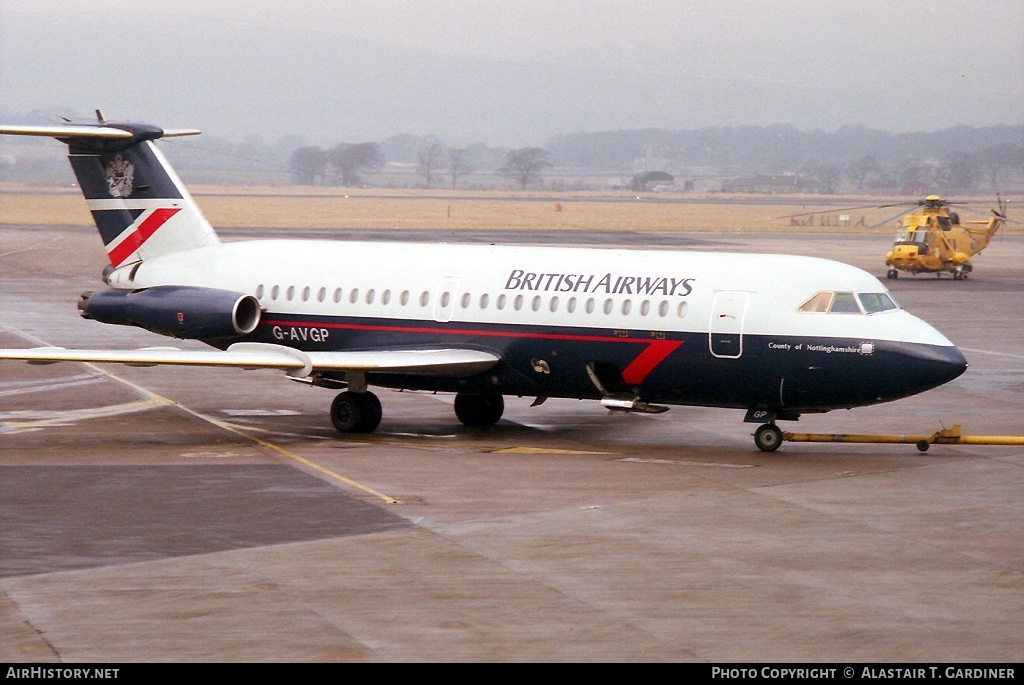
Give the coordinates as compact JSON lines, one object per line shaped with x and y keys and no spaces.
{"x":307,"y":163}
{"x":351,"y":159}
{"x":458,"y":164}
{"x":525,"y":165}
{"x":429,"y":161}
{"x":860,"y":169}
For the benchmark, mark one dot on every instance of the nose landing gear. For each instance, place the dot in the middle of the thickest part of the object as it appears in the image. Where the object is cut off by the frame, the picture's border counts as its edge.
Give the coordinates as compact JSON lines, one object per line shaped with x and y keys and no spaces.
{"x":768,"y":437}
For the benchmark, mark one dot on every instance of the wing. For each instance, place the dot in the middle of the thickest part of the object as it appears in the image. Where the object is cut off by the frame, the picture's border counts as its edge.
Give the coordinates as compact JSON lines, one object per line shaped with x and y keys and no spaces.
{"x":297,"y":364}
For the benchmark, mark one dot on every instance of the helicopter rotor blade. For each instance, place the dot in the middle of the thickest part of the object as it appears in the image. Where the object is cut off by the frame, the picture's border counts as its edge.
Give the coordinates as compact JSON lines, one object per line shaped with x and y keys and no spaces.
{"x":894,"y":216}
{"x":840,"y":209}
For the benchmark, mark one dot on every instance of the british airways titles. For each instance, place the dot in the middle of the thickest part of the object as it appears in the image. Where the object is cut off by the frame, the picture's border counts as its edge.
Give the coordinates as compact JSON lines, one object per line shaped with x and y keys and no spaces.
{"x":609,"y":283}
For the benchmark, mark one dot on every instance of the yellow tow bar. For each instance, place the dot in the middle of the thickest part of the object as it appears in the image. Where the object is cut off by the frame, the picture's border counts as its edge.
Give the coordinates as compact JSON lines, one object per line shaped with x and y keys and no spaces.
{"x":949,"y":436}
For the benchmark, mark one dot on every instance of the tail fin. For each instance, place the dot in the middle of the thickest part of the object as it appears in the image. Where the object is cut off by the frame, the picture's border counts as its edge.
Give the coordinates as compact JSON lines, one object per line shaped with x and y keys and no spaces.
{"x":140,"y":206}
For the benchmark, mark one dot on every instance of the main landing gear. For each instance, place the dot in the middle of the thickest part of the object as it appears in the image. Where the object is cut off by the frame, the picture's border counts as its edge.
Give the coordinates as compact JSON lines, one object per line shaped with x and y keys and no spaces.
{"x":356,"y":412}
{"x":479,"y":410}
{"x":360,"y":412}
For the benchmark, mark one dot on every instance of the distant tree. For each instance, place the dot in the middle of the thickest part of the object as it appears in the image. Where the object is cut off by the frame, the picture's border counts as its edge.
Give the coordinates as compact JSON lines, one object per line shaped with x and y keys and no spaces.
{"x":992,"y":160}
{"x":830,"y":173}
{"x":860,"y":169}
{"x":525,"y":165}
{"x":961,"y":169}
{"x":429,"y":160}
{"x":458,"y":164}
{"x":307,"y":164}
{"x":350,"y":159}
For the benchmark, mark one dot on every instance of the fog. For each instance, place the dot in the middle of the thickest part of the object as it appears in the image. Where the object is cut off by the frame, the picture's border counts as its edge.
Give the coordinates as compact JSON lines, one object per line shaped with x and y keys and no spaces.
{"x":514,"y":73}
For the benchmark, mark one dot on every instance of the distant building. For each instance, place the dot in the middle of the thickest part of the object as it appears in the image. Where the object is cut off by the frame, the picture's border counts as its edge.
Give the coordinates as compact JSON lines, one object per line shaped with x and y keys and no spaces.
{"x":652,"y":181}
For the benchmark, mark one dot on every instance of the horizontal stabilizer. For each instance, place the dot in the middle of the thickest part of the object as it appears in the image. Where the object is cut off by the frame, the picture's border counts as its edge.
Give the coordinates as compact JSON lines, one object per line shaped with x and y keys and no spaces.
{"x":298,"y":364}
{"x":69,"y":131}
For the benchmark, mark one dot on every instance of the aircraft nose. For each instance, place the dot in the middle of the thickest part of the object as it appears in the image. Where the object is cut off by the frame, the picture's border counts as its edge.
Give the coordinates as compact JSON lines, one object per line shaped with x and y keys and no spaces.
{"x":934,"y":364}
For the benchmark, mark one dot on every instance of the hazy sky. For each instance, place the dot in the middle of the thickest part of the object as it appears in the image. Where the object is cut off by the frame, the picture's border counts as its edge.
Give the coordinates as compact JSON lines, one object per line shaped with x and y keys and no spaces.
{"x":920,"y":65}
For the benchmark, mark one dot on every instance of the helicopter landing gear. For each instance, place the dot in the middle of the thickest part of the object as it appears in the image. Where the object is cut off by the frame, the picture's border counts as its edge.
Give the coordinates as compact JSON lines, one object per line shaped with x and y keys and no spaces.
{"x":892,"y":274}
{"x":768,"y":437}
{"x":961,"y":272}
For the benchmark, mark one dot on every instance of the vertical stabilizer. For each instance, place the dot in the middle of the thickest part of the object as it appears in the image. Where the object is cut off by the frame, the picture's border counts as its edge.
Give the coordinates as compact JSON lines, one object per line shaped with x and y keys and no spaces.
{"x":140,"y":206}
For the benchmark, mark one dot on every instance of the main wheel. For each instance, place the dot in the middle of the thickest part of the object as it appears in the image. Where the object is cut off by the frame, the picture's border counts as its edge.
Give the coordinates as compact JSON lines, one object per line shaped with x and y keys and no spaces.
{"x":356,"y":412}
{"x":479,"y":410}
{"x":768,"y":437}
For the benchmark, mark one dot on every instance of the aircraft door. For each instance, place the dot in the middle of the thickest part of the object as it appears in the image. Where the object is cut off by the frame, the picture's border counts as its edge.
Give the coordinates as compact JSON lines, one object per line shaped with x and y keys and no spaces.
{"x":444,"y":300}
{"x":725,"y":336}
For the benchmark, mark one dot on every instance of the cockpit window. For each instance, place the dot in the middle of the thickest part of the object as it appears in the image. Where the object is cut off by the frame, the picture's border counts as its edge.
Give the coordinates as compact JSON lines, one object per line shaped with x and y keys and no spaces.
{"x":876,"y":302}
{"x":819,"y":303}
{"x":844,"y":303}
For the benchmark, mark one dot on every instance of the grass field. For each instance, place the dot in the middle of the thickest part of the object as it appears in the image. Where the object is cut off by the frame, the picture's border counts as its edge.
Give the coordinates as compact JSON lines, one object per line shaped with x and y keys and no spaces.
{"x":317,"y":208}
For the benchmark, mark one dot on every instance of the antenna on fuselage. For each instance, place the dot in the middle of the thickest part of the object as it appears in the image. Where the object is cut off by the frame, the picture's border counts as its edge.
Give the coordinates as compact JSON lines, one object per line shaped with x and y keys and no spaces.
{"x":99,"y":116}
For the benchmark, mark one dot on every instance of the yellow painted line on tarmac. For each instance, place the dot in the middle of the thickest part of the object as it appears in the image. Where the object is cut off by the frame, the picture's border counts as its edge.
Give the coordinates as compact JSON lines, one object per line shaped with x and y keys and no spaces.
{"x":159,"y":399}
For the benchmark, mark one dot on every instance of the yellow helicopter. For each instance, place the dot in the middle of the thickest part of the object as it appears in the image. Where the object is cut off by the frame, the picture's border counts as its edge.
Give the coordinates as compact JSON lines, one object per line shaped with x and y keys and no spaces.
{"x":933,"y":240}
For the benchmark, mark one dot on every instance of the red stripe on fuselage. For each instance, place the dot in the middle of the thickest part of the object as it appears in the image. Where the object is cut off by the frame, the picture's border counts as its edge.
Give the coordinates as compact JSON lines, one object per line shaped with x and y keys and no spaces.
{"x":653,"y":354}
{"x":641,"y":367}
{"x":140,"y":235}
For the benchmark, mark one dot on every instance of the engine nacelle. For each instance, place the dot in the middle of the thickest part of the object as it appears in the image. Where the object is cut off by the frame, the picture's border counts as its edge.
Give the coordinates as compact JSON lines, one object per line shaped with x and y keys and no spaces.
{"x":176,"y":311}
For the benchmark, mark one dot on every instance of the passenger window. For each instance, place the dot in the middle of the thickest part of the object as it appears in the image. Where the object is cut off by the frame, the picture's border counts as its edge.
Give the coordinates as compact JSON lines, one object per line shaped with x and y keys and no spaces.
{"x":590,"y":306}
{"x":501,"y":302}
{"x":354,"y":295}
{"x":570,"y":306}
{"x":305,"y":294}
{"x":608,"y":304}
{"x":483,"y":301}
{"x":321,"y":295}
{"x":536,"y":303}
{"x":337,"y":294}
{"x":403,"y":299}
{"x":626,"y":306}
{"x":663,"y":308}
{"x":370,"y":295}
{"x":466,"y":299}
{"x":681,"y":309}
{"x":290,"y":293}
{"x":517,"y":304}
{"x":259,"y":292}
{"x":645,"y":307}
{"x":385,"y":297}
{"x":424,"y":298}
{"x":554,"y":304}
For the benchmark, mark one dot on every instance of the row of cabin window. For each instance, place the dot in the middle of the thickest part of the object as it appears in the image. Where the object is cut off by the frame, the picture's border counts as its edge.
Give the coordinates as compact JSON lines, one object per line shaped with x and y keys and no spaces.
{"x":466,"y":300}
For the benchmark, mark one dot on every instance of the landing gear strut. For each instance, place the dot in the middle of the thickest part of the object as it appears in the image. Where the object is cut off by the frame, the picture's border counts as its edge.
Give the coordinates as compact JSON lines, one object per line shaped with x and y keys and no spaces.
{"x":356,"y":412}
{"x":768,"y":437}
{"x":479,"y":410}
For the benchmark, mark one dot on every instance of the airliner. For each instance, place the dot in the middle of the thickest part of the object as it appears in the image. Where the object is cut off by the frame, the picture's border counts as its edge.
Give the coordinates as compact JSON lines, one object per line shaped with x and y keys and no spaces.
{"x":636,"y":330}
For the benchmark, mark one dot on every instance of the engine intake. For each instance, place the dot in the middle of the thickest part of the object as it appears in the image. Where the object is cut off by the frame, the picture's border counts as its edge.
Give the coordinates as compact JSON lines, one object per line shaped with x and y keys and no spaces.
{"x":178,"y":311}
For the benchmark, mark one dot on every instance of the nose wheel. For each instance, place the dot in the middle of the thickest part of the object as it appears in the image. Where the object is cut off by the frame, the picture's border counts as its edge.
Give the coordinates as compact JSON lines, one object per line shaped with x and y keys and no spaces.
{"x":768,"y":437}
